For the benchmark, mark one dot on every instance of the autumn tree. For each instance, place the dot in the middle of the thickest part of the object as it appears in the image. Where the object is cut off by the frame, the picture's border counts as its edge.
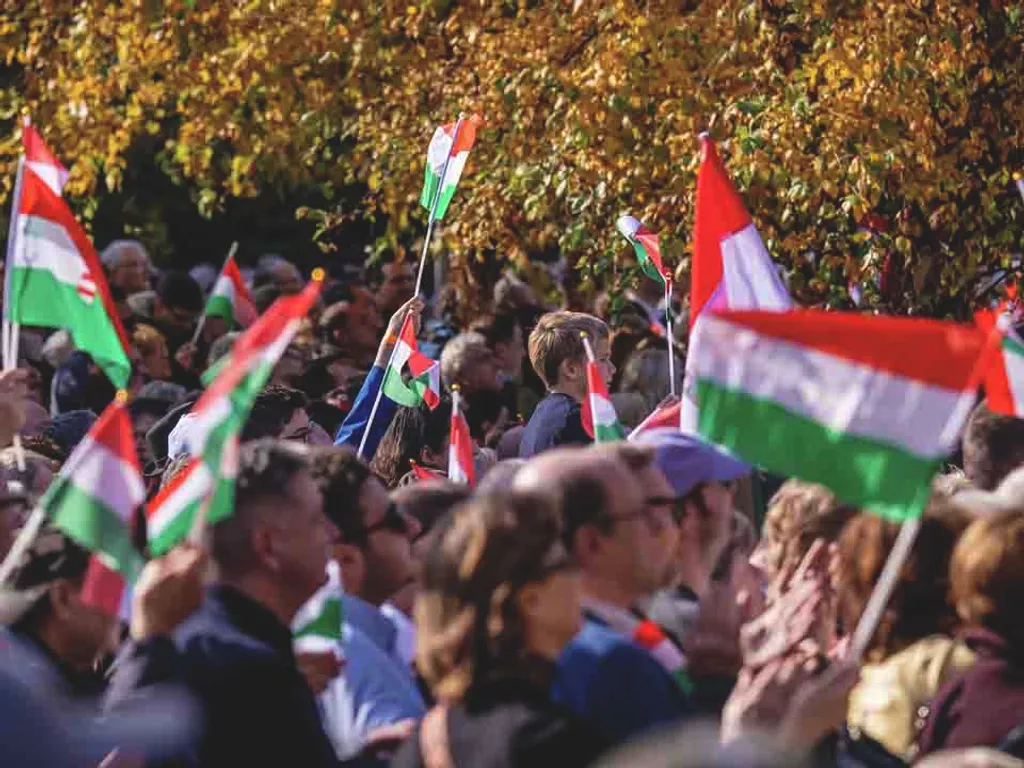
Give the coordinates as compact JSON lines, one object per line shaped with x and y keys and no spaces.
{"x":874,"y":141}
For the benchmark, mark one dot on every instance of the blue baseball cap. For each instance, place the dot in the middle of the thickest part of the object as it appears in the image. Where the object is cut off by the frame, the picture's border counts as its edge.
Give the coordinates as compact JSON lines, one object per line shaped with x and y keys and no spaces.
{"x":688,"y":461}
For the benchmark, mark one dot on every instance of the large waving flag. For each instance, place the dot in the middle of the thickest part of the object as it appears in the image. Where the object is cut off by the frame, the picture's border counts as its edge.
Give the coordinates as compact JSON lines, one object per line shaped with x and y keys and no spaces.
{"x":54,"y":278}
{"x":446,"y":156}
{"x":647,"y":248}
{"x":460,"y":446}
{"x":424,"y":384}
{"x":93,"y":500}
{"x":866,"y":405}
{"x":731,"y":266}
{"x":207,"y":482}
{"x":230,"y":299}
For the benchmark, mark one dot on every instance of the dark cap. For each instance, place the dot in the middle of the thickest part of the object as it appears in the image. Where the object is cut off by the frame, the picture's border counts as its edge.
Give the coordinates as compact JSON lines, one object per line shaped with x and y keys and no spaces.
{"x":51,"y":556}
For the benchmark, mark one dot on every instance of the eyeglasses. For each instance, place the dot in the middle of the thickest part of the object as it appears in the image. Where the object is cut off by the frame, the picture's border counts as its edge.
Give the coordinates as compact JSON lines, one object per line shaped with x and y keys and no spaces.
{"x":393,"y":520}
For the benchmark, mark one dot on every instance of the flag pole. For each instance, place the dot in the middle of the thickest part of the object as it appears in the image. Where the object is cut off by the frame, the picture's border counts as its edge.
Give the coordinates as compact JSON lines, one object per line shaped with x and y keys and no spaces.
{"x":376,"y":403}
{"x":10,"y":360}
{"x":202,"y":317}
{"x":1019,"y":180}
{"x":901,"y":549}
{"x":433,"y":205}
{"x":21,"y":544}
{"x":456,"y":402}
{"x":668,"y":333}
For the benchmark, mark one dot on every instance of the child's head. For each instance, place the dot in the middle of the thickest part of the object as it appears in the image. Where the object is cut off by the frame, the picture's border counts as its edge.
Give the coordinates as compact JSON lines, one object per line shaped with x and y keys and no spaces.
{"x":556,"y":348}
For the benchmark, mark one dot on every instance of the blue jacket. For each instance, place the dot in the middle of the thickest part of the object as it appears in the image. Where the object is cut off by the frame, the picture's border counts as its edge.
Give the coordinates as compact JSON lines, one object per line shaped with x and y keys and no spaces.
{"x":351,"y":430}
{"x":236,"y":658}
{"x":555,"y":421}
{"x":619,"y":687}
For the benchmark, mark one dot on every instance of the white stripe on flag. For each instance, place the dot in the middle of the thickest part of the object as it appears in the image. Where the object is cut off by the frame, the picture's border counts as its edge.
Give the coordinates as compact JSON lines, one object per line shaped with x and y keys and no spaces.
{"x":47,"y":246}
{"x":840,"y":394}
{"x":105,"y":476}
{"x":196,"y":486}
{"x":749,"y":275}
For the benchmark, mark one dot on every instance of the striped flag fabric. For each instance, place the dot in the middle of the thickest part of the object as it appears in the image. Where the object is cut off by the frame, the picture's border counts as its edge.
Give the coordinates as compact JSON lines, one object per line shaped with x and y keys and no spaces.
{"x":451,"y":150}
{"x":460,"y":447}
{"x":647,"y":247}
{"x":93,"y":500}
{"x":41,"y":159}
{"x":230,"y":298}
{"x":661,"y":418}
{"x":55,"y":278}
{"x":424,"y":385}
{"x":318,"y":625}
{"x":1004,"y":371}
{"x":598,"y":414}
{"x":731,"y":267}
{"x":864,"y":404}
{"x":207,"y":483}
{"x":424,"y":474}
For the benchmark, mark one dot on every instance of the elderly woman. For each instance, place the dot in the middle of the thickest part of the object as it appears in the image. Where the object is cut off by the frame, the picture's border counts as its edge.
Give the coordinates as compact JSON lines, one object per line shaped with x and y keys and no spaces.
{"x":499,"y":600}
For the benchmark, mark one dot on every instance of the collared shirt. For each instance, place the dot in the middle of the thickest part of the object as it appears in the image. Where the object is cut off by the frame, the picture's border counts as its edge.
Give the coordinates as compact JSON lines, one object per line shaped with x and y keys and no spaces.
{"x":235,"y":656}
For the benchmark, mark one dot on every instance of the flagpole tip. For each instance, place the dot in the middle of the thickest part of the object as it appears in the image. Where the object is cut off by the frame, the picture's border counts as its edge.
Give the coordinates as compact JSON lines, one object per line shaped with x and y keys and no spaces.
{"x":455,"y":388}
{"x":704,"y":136}
{"x":121,"y":396}
{"x":1017,"y":176}
{"x":584,"y":335}
{"x":318,"y":275}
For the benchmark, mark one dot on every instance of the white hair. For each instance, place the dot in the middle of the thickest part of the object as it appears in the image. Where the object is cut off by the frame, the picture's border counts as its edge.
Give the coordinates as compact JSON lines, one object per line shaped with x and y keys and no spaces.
{"x":111,"y":256}
{"x":458,"y":353}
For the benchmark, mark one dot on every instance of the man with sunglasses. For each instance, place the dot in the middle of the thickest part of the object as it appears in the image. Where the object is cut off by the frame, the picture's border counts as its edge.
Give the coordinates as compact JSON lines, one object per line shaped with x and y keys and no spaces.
{"x":620,"y":670}
{"x":372,"y":545}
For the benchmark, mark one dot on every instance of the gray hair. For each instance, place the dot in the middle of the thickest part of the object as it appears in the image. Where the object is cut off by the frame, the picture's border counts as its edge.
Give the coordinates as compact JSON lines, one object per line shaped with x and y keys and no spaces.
{"x":459,"y":353}
{"x":111,"y":256}
{"x":646,"y":373}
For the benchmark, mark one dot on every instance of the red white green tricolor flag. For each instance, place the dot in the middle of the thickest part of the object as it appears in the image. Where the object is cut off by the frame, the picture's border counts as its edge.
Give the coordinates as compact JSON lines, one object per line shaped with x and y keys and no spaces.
{"x":731,"y":267}
{"x":208,"y":481}
{"x":54,"y":277}
{"x":1004,"y":375}
{"x":230,"y":299}
{"x":446,"y":156}
{"x":424,"y":385}
{"x":864,"y":404}
{"x":318,"y":626}
{"x":460,"y":447}
{"x":598,"y":414}
{"x":648,"y":250}
{"x":93,"y":500}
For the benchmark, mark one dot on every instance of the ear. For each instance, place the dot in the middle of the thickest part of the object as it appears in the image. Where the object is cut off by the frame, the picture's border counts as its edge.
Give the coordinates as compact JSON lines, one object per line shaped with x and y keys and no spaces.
{"x":353,"y":565}
{"x":527,"y":599}
{"x":586,"y":544}
{"x":263,"y":546}
{"x":62,"y":598}
{"x":570,"y":370}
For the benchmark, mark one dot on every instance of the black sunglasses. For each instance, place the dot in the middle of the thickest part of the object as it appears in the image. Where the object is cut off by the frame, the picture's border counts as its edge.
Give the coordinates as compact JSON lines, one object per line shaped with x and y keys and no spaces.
{"x":393,"y":520}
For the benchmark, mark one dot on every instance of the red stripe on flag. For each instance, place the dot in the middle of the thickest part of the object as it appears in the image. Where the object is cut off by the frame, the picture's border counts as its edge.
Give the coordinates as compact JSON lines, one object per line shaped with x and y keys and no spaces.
{"x":103,"y":587}
{"x":719,"y":214}
{"x":930,"y":351}
{"x":36,"y":150}
{"x":997,"y":378}
{"x":37,"y":199}
{"x":113,"y":430}
{"x":467,"y":133}
{"x":463,"y":446}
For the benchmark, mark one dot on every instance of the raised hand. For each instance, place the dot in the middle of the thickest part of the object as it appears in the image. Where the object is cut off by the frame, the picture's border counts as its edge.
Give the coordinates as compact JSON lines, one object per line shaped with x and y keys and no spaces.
{"x":168,"y":591}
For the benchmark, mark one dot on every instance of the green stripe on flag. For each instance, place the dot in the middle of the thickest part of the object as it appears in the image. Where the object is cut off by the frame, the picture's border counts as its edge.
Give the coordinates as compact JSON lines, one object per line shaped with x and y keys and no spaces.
{"x":608,"y":433}
{"x":397,"y":390}
{"x":430,"y":182}
{"x":220,"y":306}
{"x":327,"y":623}
{"x":860,"y":471}
{"x":93,"y":526}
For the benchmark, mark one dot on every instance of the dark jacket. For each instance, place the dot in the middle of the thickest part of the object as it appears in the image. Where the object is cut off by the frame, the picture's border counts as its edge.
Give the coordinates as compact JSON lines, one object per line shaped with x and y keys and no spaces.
{"x":557,"y":420}
{"x":509,"y":724}
{"x":236,"y":658}
{"x":981,"y":707}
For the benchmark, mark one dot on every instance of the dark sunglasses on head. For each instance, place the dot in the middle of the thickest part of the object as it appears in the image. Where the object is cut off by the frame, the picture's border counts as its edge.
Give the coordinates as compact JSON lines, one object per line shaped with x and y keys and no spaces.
{"x":393,"y":520}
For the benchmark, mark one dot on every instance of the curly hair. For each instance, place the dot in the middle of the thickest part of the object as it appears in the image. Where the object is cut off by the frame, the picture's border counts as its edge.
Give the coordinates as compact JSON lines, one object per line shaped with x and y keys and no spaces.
{"x":340,"y":475}
{"x":469,"y":628}
{"x":921,"y":604}
{"x":410,"y":431}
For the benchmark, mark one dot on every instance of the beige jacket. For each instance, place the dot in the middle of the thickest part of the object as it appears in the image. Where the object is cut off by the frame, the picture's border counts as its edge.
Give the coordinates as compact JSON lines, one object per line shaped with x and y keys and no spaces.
{"x":890,"y":702}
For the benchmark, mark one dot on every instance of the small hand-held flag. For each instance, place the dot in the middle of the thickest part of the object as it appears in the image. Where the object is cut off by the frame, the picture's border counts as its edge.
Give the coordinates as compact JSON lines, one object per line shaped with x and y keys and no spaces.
{"x":648,"y":252}
{"x":317,"y":627}
{"x":598,"y":414}
{"x":424,"y":385}
{"x":230,"y":298}
{"x":460,"y":445}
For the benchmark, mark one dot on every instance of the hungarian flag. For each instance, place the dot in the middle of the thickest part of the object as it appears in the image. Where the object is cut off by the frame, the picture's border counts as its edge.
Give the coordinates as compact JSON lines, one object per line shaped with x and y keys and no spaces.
{"x":41,"y":160}
{"x":1004,"y":373}
{"x":424,"y":385}
{"x":599,"y":418}
{"x":446,"y":149}
{"x":230,"y":298}
{"x":317,"y":627}
{"x":648,"y":250}
{"x":731,"y":267}
{"x":423,"y":474}
{"x":865,"y":404}
{"x":661,"y":418}
{"x":208,"y":481}
{"x":93,"y":500}
{"x":460,"y":448}
{"x":55,"y":279}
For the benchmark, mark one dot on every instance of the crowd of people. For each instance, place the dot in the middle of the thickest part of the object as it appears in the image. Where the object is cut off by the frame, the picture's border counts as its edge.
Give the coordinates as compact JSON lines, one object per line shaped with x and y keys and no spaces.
{"x":647,"y":602}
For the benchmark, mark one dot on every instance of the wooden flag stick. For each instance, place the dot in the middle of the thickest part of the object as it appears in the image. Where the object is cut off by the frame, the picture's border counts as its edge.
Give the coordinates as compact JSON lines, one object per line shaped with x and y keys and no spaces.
{"x":668,"y":333}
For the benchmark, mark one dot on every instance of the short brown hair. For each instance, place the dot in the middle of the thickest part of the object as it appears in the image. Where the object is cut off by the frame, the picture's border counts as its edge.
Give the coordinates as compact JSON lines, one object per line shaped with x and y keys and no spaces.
{"x":988,"y":574}
{"x":469,"y":629}
{"x":557,"y":339}
{"x":921,"y":604}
